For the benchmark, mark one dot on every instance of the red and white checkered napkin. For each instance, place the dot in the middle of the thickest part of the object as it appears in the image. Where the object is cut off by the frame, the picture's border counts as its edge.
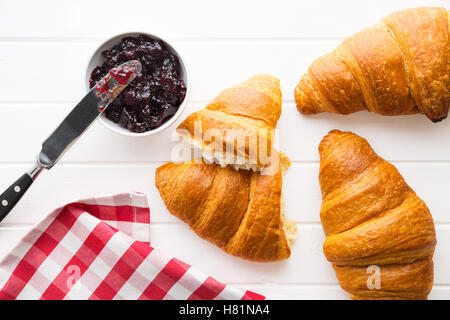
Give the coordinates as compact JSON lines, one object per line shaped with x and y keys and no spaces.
{"x":99,"y":249}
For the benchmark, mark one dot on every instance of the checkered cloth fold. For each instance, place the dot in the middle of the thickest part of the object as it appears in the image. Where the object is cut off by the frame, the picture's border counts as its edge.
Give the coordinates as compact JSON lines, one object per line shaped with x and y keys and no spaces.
{"x":99,"y":248}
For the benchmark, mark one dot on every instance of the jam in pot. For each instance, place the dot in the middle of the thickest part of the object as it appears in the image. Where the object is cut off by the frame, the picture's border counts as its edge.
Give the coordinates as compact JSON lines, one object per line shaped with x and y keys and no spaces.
{"x":154,"y":96}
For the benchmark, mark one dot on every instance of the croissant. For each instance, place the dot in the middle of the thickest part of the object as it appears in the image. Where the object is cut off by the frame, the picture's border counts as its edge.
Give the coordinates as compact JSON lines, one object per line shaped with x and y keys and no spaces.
{"x":238,"y":210}
{"x":399,"y":66}
{"x":375,"y":224}
{"x":237,"y":126}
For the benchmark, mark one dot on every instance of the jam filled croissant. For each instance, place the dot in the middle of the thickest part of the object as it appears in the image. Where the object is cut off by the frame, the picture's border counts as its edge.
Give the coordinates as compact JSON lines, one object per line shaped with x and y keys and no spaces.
{"x":240,"y":211}
{"x":399,"y":66}
{"x":380,"y":235}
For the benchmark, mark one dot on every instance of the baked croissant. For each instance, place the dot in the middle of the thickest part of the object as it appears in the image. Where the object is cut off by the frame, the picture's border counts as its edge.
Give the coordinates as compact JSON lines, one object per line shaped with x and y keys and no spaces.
{"x":237,"y":126}
{"x":373,"y":219}
{"x":238,"y":210}
{"x":399,"y":66}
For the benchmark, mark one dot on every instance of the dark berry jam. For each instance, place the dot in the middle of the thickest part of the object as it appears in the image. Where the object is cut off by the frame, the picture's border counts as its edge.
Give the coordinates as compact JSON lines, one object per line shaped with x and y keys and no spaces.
{"x":153,"y":97}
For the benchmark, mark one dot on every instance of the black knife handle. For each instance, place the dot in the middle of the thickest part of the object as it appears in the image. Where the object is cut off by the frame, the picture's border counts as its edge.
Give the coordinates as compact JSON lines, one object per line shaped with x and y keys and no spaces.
{"x":12,"y":195}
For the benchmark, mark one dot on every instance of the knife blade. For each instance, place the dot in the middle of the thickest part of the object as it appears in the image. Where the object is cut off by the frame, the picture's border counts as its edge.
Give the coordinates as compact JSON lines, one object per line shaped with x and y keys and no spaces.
{"x":86,"y":111}
{"x":71,"y":128}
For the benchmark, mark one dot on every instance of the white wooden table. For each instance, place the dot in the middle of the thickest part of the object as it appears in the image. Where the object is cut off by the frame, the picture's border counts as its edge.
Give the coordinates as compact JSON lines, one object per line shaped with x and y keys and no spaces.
{"x":44,"y":48}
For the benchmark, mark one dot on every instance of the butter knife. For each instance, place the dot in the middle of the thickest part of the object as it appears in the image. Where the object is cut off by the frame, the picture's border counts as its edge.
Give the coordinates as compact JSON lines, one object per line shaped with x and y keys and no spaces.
{"x":72,"y":127}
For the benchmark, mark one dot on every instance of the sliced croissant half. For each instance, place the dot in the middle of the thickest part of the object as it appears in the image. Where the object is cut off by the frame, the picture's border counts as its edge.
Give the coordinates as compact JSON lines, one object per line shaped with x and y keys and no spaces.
{"x":237,"y":127}
{"x":380,"y":234}
{"x":240,"y":211}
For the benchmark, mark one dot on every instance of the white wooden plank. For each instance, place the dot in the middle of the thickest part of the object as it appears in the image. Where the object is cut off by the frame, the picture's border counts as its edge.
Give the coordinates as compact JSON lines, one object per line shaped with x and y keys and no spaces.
{"x":405,"y":138}
{"x":297,"y":292}
{"x":303,"y":195}
{"x":196,"y":18}
{"x":320,"y":292}
{"x":10,"y":237}
{"x":44,"y":72}
{"x":306,"y":266}
{"x":65,"y":184}
{"x":55,"y":71}
{"x":71,"y":182}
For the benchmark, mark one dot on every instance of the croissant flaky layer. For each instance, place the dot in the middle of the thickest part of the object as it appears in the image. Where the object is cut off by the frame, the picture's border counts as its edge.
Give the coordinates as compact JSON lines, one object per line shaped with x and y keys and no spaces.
{"x":376,"y":225}
{"x":238,"y":210}
{"x":399,"y":66}
{"x":237,"y":126}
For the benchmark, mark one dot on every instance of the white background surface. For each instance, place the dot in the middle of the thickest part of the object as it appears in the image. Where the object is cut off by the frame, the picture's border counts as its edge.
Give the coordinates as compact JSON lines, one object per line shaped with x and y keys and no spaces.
{"x":44,"y":49}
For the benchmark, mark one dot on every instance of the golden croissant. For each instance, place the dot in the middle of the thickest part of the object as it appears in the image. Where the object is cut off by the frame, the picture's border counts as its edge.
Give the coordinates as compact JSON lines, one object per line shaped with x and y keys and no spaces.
{"x":237,"y":126}
{"x":399,"y":66}
{"x":238,"y":210}
{"x":380,"y":235}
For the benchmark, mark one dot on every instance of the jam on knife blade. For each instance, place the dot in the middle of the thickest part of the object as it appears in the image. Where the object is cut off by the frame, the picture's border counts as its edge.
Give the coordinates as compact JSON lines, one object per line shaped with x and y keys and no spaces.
{"x":111,"y":85}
